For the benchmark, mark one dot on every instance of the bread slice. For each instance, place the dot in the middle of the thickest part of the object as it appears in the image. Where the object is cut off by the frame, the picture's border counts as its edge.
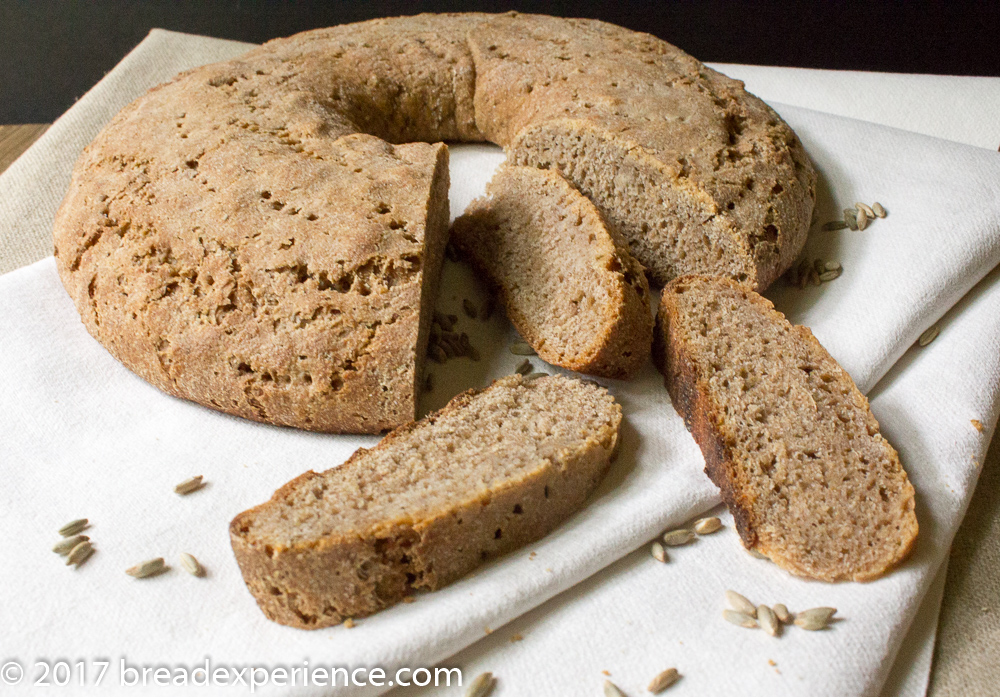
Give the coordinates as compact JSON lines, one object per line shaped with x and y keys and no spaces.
{"x":570,"y":286}
{"x":787,"y":436}
{"x":490,"y":472}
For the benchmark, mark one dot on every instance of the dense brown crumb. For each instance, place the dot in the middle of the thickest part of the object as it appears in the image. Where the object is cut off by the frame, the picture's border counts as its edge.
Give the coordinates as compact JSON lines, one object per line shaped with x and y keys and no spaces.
{"x":490,"y":472}
{"x":572,"y":290}
{"x":787,"y":436}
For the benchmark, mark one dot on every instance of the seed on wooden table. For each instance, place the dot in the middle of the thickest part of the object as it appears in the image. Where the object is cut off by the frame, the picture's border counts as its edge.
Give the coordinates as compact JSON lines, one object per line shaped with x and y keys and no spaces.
{"x":834,"y":225}
{"x":523,"y":368}
{"x":519,"y":348}
{"x":612,"y":690}
{"x":664,"y":680}
{"x":929,"y":335}
{"x":469,"y":308}
{"x":768,"y":620}
{"x":868,"y":210}
{"x":741,"y":603}
{"x":782,"y":613}
{"x":677,"y":538}
{"x":191,"y":565}
{"x":862,"y":220}
{"x":481,"y":686}
{"x":189,"y":485}
{"x":73,"y":527}
{"x":815,"y":619}
{"x":65,"y":546}
{"x":658,"y":552}
{"x":80,"y":553}
{"x":878,"y":210}
{"x":706,"y":526}
{"x":534,"y":376}
{"x":146,"y":568}
{"x":740,"y":619}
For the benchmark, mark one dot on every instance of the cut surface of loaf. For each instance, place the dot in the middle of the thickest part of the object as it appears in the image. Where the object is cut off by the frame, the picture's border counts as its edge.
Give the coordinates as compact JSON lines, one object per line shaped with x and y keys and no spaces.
{"x":434,"y":499}
{"x":570,"y":287}
{"x":787,"y":436}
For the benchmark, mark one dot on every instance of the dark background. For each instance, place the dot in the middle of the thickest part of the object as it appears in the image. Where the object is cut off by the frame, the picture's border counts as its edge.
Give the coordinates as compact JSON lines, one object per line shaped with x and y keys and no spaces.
{"x":52,"y":51}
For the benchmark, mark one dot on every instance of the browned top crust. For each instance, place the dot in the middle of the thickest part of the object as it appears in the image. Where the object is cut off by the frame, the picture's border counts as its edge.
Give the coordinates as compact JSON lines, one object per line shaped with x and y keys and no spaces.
{"x":235,"y":238}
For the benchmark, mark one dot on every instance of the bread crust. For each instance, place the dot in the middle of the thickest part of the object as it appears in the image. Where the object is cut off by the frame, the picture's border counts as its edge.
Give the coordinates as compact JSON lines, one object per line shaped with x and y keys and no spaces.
{"x":692,"y":399}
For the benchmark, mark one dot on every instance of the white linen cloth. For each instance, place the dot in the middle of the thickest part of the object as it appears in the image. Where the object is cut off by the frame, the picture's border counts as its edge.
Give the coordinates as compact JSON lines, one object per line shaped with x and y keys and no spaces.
{"x":82,"y":436}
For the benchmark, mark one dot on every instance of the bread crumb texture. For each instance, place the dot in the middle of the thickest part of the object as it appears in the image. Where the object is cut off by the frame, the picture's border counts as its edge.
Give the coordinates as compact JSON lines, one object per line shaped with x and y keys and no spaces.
{"x":490,"y":472}
{"x":786,"y":434}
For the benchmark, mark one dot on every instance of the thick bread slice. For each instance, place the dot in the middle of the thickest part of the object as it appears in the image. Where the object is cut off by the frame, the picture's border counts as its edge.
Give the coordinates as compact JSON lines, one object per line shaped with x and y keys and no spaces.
{"x":787,"y":436}
{"x":570,"y":286}
{"x":490,"y":472}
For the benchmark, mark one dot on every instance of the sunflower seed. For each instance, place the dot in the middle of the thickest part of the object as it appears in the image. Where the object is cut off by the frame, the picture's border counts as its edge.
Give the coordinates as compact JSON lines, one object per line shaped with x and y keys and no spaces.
{"x":741,"y":603}
{"x":659,"y":553}
{"x":759,"y":555}
{"x":862,"y":220}
{"x":612,"y":690}
{"x":436,"y":353}
{"x":768,"y":621}
{"x":664,"y":680}
{"x":481,"y":686}
{"x":73,"y":527}
{"x":79,"y":553}
{"x":782,"y":613}
{"x":815,"y":619}
{"x":739,"y":619}
{"x":65,"y":546}
{"x":189,"y":485}
{"x":830,"y":275}
{"x":851,"y":218}
{"x":191,"y":565}
{"x":814,"y":277}
{"x":706,"y":526}
{"x":819,"y":265}
{"x":523,"y":368}
{"x":834,"y":225}
{"x":534,"y":376}
{"x":469,"y":308}
{"x":146,"y":568}
{"x":878,"y":210}
{"x":833,"y":266}
{"x":447,"y":346}
{"x":929,"y":335}
{"x":677,"y":538}
{"x":444,"y":321}
{"x":519,"y":348}
{"x":868,"y":210}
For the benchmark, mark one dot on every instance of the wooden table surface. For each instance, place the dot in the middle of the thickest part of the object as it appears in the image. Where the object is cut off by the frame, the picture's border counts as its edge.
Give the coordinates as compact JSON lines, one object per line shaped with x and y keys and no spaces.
{"x":967,"y":653}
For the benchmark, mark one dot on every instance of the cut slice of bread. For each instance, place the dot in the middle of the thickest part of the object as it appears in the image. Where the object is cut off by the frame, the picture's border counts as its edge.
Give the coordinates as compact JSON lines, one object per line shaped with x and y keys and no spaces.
{"x":570,"y":286}
{"x":490,"y":472}
{"x":786,"y":434}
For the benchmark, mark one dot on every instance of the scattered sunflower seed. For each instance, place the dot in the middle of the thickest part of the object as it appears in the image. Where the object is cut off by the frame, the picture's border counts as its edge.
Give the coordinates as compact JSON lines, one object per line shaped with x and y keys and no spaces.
{"x":851,"y":218}
{"x":73,"y":527}
{"x":739,"y":619}
{"x":768,"y":620}
{"x":146,"y":568}
{"x":929,"y":335}
{"x":519,"y":348}
{"x":830,"y":275}
{"x":436,"y":353}
{"x":834,"y":225}
{"x":534,"y":376}
{"x":658,"y":552}
{"x":191,"y":565}
{"x":706,"y":526}
{"x":862,"y":220}
{"x":782,"y":613}
{"x":80,"y":553}
{"x":66,"y":545}
{"x":189,"y":485}
{"x":664,"y":680}
{"x":869,"y":211}
{"x":469,"y":308}
{"x":523,"y":368}
{"x":678,"y":538}
{"x":482,"y":685}
{"x":878,"y":210}
{"x":815,"y":619}
{"x":819,"y":265}
{"x":833,"y":266}
{"x":741,"y":603}
{"x":612,"y":690}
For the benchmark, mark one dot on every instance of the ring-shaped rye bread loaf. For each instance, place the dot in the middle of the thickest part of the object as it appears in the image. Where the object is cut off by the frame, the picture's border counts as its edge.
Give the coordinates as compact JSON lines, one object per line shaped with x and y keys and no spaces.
{"x":264,"y":236}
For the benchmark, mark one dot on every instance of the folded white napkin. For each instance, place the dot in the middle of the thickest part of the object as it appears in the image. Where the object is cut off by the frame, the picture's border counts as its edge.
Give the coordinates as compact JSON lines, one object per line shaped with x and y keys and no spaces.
{"x":84,"y":437}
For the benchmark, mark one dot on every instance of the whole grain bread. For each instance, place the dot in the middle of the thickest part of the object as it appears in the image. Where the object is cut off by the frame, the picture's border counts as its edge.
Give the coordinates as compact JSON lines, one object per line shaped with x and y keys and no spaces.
{"x":570,"y":286}
{"x":787,"y":436}
{"x":434,"y":499}
{"x":235,"y":238}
